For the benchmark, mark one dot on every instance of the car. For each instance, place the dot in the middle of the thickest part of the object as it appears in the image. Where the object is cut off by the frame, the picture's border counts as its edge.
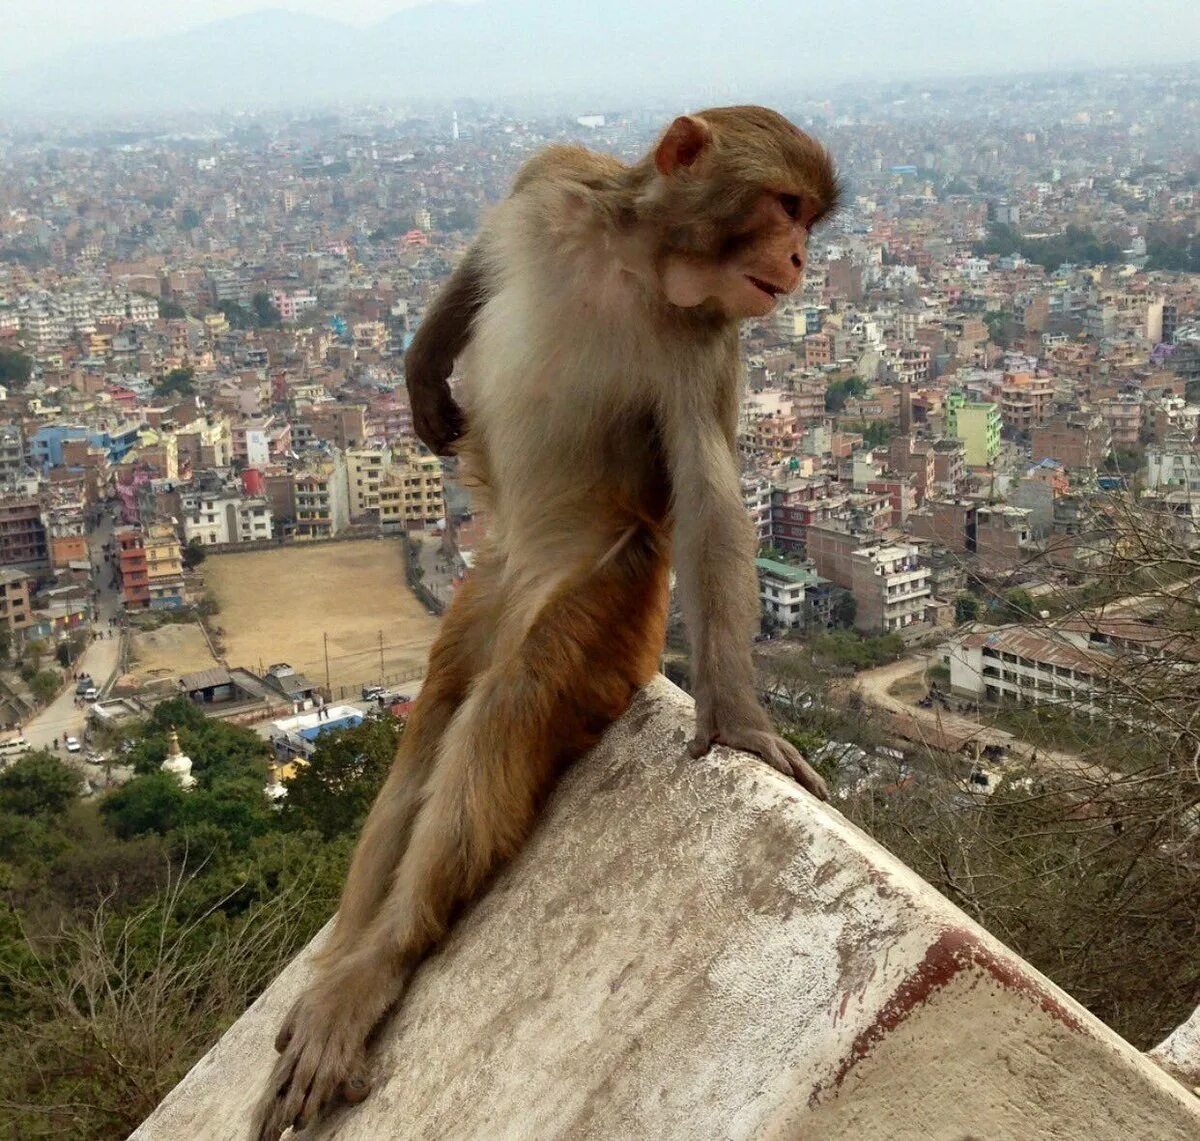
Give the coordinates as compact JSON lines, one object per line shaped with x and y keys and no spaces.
{"x":73,"y":745}
{"x":372,"y":692}
{"x":393,"y":697}
{"x":83,"y":685}
{"x":91,"y":693}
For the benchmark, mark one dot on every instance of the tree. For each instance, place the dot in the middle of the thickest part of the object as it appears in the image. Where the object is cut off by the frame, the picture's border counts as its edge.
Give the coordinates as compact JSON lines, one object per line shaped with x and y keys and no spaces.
{"x":189,"y":219}
{"x":15,"y":368}
{"x":5,"y":643}
{"x":966,"y":608}
{"x":193,"y":554}
{"x":178,"y":380}
{"x":844,"y":610}
{"x":838,"y":391}
{"x":150,"y":803}
{"x":1017,"y":605}
{"x":44,"y":684}
{"x":238,"y":316}
{"x":217,"y":750}
{"x":266,"y":315}
{"x":39,"y":784}
{"x":171,"y":310}
{"x":335,"y":790}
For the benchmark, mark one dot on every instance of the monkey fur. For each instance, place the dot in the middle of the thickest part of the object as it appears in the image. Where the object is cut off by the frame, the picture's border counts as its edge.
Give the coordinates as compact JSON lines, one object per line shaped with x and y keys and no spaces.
{"x":596,"y":322}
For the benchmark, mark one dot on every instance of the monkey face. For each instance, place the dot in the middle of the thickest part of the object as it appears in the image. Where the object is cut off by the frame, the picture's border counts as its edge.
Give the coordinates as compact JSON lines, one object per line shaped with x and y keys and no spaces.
{"x":739,"y":190}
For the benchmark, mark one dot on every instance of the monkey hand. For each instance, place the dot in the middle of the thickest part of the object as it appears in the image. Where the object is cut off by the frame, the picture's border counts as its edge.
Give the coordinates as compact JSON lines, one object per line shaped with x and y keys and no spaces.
{"x":322,"y":1061}
{"x":437,"y":419}
{"x":750,"y":731}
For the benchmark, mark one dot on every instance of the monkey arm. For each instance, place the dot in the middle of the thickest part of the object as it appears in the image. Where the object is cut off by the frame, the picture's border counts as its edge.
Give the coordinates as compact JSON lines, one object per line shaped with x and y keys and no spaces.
{"x":439,"y":340}
{"x":718,"y":589}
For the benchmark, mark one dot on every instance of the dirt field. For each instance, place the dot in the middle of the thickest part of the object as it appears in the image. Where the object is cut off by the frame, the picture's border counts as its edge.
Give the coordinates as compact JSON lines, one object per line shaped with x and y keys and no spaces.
{"x":168,"y":651}
{"x":275,"y":606}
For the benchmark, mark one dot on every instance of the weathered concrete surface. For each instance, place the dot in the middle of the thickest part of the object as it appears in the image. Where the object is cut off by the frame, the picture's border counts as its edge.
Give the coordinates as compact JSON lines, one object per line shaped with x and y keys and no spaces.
{"x":1179,"y":1052}
{"x":697,"y":949}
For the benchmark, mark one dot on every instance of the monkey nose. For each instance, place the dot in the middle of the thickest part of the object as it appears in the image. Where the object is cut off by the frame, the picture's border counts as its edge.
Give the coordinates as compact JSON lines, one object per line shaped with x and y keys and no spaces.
{"x":797,"y":261}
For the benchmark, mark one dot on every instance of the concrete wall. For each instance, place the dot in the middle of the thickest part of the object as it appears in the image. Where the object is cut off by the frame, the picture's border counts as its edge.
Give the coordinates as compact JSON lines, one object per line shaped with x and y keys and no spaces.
{"x":697,"y":949}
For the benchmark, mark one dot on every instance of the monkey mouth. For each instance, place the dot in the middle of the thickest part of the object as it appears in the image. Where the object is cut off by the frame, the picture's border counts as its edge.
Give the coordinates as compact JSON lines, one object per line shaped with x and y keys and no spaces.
{"x":772,"y":291}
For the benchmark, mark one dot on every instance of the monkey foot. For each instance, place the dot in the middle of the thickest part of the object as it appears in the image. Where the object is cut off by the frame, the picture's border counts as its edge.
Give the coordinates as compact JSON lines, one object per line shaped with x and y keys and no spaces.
{"x":322,"y":1062}
{"x":777,"y":752}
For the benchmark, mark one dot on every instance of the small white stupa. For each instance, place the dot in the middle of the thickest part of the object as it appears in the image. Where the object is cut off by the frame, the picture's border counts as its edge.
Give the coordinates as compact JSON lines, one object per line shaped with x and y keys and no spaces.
{"x":274,"y":788}
{"x":177,"y":764}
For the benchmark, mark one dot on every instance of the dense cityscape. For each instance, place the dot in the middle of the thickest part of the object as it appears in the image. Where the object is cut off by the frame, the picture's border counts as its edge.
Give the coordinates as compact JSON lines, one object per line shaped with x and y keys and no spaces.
{"x":970,"y":446}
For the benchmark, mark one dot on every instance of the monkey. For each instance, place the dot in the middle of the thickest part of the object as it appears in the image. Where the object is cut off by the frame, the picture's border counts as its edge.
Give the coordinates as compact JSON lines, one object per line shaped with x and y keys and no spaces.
{"x":596,"y":319}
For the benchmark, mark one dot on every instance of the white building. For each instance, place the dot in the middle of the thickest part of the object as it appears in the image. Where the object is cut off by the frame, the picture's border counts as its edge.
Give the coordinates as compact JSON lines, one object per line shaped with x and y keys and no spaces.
{"x":890,"y":589}
{"x":225,"y":517}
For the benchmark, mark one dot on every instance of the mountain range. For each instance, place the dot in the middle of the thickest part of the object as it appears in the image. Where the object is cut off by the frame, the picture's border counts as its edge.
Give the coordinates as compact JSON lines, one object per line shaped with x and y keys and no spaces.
{"x":605,"y":49}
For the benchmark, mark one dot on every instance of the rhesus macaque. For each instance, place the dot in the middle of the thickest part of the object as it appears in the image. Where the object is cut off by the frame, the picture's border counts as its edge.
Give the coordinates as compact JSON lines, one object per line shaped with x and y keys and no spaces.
{"x":596,"y":320}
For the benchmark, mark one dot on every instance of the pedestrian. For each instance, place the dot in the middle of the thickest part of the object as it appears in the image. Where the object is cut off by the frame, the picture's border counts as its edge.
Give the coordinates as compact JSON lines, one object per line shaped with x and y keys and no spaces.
{"x":56,"y":742}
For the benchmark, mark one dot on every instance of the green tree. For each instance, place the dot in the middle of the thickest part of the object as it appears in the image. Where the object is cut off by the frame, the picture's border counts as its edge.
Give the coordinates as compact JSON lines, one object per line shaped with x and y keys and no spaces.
{"x":38,"y":784}
{"x":44,"y":685}
{"x":189,"y":219}
{"x":150,"y":803}
{"x":238,"y":316}
{"x":1017,"y":606}
{"x":966,"y":608}
{"x":266,"y":315}
{"x":839,"y":391}
{"x":5,"y":643}
{"x":844,"y":610}
{"x":15,"y":368}
{"x":193,"y":554}
{"x":171,"y":310}
{"x":335,"y":790}
{"x":217,"y":750}
{"x":178,"y":380}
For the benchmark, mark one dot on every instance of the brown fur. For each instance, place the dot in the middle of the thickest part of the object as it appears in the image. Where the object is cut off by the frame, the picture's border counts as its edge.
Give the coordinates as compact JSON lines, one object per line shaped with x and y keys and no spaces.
{"x":597,"y":316}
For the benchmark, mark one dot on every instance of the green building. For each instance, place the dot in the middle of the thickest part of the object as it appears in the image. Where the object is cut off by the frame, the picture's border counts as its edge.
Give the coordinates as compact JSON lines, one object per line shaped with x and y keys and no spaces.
{"x":977,"y":424}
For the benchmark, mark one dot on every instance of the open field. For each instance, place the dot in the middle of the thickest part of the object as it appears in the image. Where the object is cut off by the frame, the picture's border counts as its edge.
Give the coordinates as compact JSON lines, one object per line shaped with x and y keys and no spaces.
{"x":168,"y":651}
{"x":277,"y":605}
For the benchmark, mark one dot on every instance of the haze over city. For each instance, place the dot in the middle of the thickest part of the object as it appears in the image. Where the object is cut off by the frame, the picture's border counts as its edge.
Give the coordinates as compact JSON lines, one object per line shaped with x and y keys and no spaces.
{"x":132,"y":56}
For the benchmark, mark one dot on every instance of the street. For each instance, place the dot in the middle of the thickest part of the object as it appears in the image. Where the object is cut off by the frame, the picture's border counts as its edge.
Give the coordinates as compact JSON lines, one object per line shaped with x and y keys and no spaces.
{"x":62,"y":717}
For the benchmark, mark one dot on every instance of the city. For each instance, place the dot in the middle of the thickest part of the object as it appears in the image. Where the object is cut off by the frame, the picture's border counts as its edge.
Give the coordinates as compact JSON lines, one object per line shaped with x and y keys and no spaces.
{"x":970,"y":447}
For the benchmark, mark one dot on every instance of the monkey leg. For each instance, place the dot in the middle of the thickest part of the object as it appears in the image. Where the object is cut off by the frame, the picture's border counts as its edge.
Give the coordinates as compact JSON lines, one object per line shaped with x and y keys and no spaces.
{"x":592,"y":644}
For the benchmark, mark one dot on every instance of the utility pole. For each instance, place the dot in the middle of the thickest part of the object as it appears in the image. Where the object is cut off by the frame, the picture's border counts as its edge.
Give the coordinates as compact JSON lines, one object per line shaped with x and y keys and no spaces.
{"x":381,"y":680}
{"x":328,"y":689}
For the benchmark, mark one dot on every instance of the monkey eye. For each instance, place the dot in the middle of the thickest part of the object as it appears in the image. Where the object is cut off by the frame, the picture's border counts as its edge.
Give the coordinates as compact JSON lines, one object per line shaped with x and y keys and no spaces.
{"x":790,"y":204}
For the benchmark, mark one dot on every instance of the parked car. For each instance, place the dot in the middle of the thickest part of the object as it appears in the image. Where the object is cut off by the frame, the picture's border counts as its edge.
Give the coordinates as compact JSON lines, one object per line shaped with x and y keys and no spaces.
{"x":91,"y":693}
{"x":372,"y":692}
{"x":393,"y":697}
{"x":83,"y":685}
{"x":73,"y":745}
{"x":94,"y":758}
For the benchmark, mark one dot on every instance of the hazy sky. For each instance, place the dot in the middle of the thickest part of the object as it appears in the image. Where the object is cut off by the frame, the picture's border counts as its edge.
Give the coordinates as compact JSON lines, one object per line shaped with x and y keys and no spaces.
{"x":33,"y":29}
{"x":1112,"y":30}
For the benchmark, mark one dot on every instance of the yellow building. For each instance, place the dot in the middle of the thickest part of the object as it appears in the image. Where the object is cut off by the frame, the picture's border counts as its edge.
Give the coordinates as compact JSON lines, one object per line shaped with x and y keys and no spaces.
{"x":366,"y":469}
{"x":411,"y":494}
{"x":164,"y":566}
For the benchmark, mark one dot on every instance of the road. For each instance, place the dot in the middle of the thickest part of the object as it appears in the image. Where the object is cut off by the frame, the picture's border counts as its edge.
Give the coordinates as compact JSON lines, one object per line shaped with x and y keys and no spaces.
{"x":63,"y":717}
{"x":873,"y":686}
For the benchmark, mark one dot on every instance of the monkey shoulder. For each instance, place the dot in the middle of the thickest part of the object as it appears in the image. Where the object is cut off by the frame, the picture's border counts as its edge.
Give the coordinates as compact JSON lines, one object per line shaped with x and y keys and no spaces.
{"x":565,"y":168}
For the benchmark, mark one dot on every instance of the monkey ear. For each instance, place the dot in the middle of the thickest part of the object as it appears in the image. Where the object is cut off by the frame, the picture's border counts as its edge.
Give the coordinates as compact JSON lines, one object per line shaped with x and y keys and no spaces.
{"x":684,"y":142}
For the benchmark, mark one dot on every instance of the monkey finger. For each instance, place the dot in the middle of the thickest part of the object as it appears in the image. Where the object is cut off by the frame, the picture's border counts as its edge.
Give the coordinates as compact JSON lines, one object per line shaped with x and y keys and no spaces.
{"x":699,"y":746}
{"x":355,"y":1089}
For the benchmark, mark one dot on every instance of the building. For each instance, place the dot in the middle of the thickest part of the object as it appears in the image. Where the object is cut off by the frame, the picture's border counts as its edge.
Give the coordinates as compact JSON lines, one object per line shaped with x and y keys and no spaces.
{"x":66,"y":535}
{"x":12,"y":454}
{"x":795,"y":597}
{"x":150,"y":567}
{"x":1080,"y":441}
{"x":1176,"y":463}
{"x":22,"y":533}
{"x":411,"y":495}
{"x":1025,"y":400}
{"x":15,"y":611}
{"x":891,"y":589}
{"x":322,"y":503}
{"x":226,"y":516}
{"x":164,"y":567}
{"x":1123,"y":415}
{"x":977,"y":424}
{"x":366,"y":469}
